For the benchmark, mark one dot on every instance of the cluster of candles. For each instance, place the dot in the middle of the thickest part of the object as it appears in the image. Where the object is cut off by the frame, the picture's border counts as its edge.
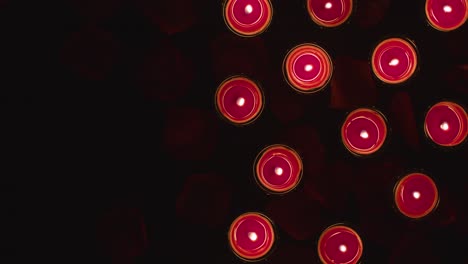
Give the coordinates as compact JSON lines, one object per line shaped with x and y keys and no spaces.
{"x":308,"y":68}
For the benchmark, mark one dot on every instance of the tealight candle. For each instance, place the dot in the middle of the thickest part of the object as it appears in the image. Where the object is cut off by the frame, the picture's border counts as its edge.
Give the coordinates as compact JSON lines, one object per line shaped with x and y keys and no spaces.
{"x":446,"y":124}
{"x":248,"y":17}
{"x":251,"y":236}
{"x":394,"y":60}
{"x":278,"y":169}
{"x":308,"y":68}
{"x":416,"y":195}
{"x":340,"y":244}
{"x":239,"y":100}
{"x":446,"y":15}
{"x":364,"y":131}
{"x":329,"y":13}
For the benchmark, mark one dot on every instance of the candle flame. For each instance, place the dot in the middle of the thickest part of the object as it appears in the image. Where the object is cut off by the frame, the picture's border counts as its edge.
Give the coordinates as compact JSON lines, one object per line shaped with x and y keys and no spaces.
{"x":278,"y":171}
{"x":343,"y":248}
{"x":248,"y":9}
{"x":394,"y":62}
{"x":416,"y":195}
{"x":444,"y":126}
{"x":328,"y":5}
{"x":447,"y":9}
{"x":252,"y":236}
{"x":364,"y":134}
{"x":240,"y":101}
{"x":308,"y":67}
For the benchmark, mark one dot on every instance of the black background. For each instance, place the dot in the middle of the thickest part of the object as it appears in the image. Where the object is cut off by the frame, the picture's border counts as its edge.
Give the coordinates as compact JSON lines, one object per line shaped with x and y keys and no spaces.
{"x":115,"y":107}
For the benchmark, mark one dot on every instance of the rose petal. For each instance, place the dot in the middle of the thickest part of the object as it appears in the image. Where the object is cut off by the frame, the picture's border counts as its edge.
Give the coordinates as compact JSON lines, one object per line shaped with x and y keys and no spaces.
{"x":352,"y":84}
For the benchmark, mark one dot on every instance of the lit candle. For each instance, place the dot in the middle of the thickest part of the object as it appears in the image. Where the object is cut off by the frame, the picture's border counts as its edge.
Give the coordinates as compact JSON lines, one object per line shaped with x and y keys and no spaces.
{"x":394,"y":60}
{"x":364,"y":131}
{"x":278,"y":169}
{"x":340,"y":244}
{"x":329,"y":13}
{"x":446,"y":124}
{"x":446,"y":15}
{"x":248,"y":17}
{"x":239,"y":100}
{"x":416,"y":195}
{"x":308,"y":68}
{"x":251,"y":236}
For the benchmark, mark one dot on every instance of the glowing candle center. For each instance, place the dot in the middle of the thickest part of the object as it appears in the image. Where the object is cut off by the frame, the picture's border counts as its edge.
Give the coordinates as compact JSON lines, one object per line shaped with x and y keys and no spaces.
{"x":394,"y":62}
{"x":416,"y":195}
{"x":364,"y":134}
{"x":328,"y":5}
{"x":278,"y":171}
{"x":447,"y":9}
{"x":343,"y":248}
{"x":308,"y":67}
{"x":252,"y":236}
{"x":240,"y":101}
{"x":444,"y":126}
{"x":248,"y":9}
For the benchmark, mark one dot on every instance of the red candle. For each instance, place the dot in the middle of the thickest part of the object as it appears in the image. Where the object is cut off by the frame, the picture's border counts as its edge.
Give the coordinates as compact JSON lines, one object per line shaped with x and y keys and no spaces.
{"x":416,"y":195}
{"x":248,"y":17}
{"x":251,"y":236}
{"x":446,"y":15}
{"x":239,"y":100}
{"x":278,"y":169}
{"x":340,"y":244}
{"x":364,"y":131}
{"x":446,"y":124}
{"x":394,"y":60}
{"x":308,"y":68}
{"x":329,"y":13}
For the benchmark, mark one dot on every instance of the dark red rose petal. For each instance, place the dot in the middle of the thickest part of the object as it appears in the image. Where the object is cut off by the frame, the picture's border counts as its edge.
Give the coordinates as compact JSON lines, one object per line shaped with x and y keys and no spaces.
{"x":204,"y":200}
{"x":415,"y":248}
{"x":291,"y":253}
{"x":286,"y":105}
{"x":295,"y":214}
{"x":190,"y":133}
{"x":171,"y":16}
{"x":404,"y":121}
{"x":165,"y":73}
{"x":90,"y":53}
{"x":122,"y":233}
{"x":97,"y":10}
{"x":352,"y":84}
{"x":370,"y":13}
{"x":234,"y":55}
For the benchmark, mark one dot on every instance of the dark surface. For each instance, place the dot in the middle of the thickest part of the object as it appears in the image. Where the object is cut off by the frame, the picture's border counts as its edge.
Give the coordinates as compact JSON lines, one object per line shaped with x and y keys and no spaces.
{"x":132,"y":126}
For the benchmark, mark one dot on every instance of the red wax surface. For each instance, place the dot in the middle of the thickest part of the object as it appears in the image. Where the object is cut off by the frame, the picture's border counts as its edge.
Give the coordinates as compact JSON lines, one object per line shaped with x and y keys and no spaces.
{"x":446,"y":124}
{"x":446,"y":15}
{"x":339,"y":245}
{"x":364,"y":131}
{"x":248,"y":17}
{"x":278,"y":168}
{"x":239,"y":100}
{"x":416,"y":195}
{"x":394,"y":60}
{"x":308,"y":68}
{"x":251,"y":236}
{"x":329,"y":13}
